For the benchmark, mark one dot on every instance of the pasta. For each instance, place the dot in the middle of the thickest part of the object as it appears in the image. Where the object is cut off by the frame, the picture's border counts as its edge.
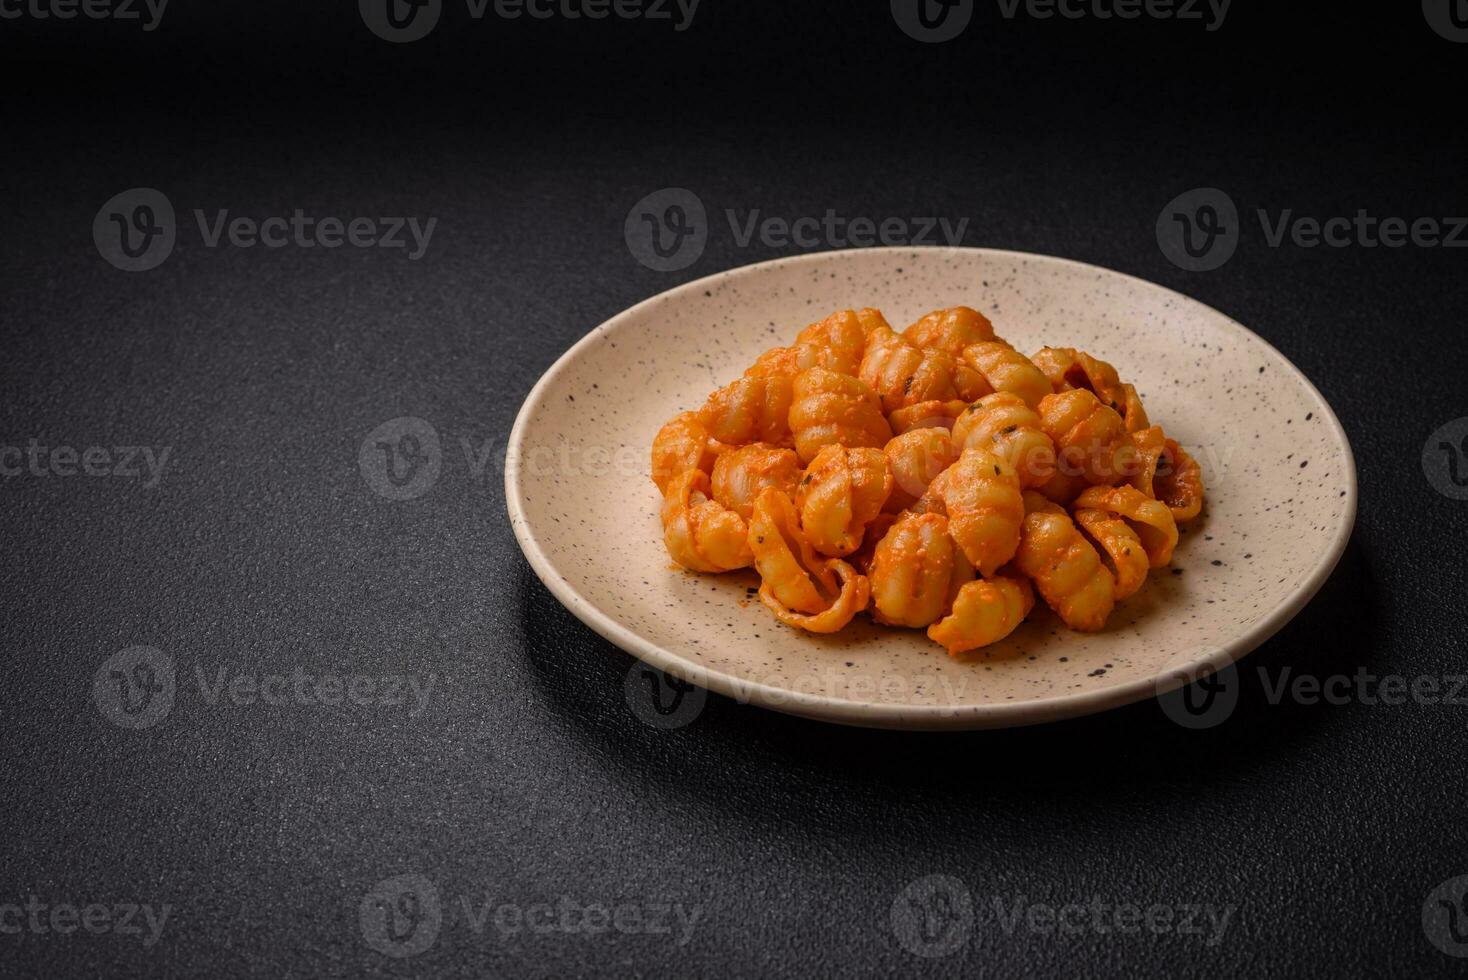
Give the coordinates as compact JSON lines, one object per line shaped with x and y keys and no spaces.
{"x":1068,"y":368}
{"x":1090,"y":439}
{"x":981,"y":497}
{"x":1152,"y":519}
{"x":951,"y":331}
{"x":934,"y":479}
{"x":916,"y":458}
{"x":683,"y":444}
{"x":916,"y":571}
{"x":904,"y":374}
{"x":1064,"y":567}
{"x":700,"y":533}
{"x":926,"y":415}
{"x":1120,"y":548}
{"x":741,"y":474}
{"x":1003,"y":424}
{"x":1006,"y":369}
{"x":1179,"y":485}
{"x":843,"y":337}
{"x":835,"y":409}
{"x":984,"y":612}
{"x":842,"y":491}
{"x":800,"y":588}
{"x":752,"y":409}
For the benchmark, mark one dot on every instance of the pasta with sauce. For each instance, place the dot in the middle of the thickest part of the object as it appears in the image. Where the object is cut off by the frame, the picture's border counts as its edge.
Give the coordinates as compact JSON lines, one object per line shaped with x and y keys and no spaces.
{"x":933,"y":478}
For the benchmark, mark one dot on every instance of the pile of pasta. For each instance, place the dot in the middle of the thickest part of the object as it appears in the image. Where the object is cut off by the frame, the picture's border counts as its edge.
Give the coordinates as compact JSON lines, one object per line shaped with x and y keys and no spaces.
{"x":936,"y":477}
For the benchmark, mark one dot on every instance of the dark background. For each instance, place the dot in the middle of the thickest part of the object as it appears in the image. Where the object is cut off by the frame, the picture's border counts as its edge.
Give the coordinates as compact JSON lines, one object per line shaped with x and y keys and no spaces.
{"x":528,"y":777}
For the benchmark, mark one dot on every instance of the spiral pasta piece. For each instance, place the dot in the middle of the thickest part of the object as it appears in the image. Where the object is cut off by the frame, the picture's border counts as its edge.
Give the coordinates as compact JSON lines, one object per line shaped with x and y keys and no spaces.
{"x":843,"y":490}
{"x":862,"y":557}
{"x":1068,"y":368}
{"x":1063,"y":488}
{"x":981,"y":497}
{"x":1179,"y":484}
{"x":787,"y":564}
{"x":952,"y":330}
{"x":917,"y":457}
{"x":751,"y":409}
{"x":854,"y":596}
{"x":1152,"y":519}
{"x":1064,"y":566}
{"x":904,"y":374}
{"x":984,"y":612}
{"x":788,"y":361}
{"x":1090,"y":439}
{"x":917,"y":570}
{"x":842,"y":338}
{"x":1006,"y":369}
{"x":799,"y":587}
{"x":740,"y":475}
{"x":1120,"y":548}
{"x":700,"y":533}
{"x":926,"y":415}
{"x":1151,"y":444}
{"x":1003,"y":424}
{"x":835,"y":409}
{"x":684,"y":443}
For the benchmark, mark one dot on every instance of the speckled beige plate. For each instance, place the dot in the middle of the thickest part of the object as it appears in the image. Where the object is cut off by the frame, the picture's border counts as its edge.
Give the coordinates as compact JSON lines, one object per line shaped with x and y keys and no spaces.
{"x":1281,"y":490}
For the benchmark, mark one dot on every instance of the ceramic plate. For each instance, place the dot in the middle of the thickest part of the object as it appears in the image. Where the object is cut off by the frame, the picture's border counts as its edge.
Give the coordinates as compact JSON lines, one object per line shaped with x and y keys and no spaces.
{"x":1280,"y":478}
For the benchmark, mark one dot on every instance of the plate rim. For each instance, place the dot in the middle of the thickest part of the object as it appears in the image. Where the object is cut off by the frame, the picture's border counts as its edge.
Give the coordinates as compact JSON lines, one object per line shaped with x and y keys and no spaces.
{"x":927,"y":717}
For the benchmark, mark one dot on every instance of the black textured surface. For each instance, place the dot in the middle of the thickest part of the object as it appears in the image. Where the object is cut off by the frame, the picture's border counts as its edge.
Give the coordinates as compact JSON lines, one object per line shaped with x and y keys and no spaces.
{"x":526,"y":777}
